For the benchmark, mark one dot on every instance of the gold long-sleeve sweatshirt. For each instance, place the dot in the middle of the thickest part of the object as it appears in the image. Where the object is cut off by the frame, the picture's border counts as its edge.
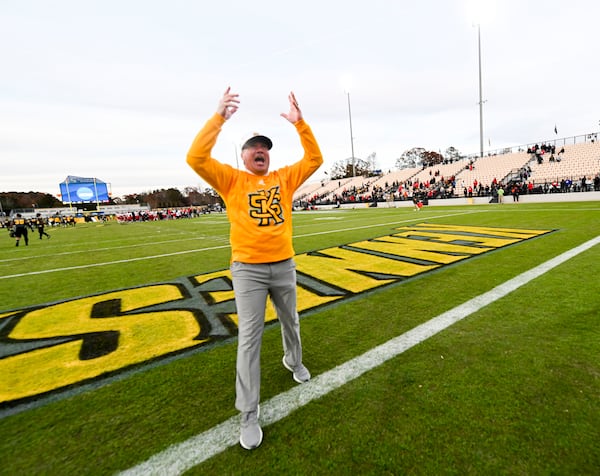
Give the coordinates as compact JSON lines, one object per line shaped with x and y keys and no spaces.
{"x":259,"y":208}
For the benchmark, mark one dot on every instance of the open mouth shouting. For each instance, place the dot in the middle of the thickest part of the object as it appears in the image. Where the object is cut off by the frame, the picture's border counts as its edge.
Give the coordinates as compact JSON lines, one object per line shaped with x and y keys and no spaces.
{"x":256,"y":159}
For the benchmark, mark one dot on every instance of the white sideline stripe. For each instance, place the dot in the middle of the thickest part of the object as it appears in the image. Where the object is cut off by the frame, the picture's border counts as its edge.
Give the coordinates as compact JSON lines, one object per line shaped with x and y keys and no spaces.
{"x":94,"y":250}
{"x":106,"y":263}
{"x":199,"y":250}
{"x":180,"y":457}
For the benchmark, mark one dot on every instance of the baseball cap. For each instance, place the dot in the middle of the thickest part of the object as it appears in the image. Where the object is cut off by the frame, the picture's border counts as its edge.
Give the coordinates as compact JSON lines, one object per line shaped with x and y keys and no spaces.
{"x":254,"y":138}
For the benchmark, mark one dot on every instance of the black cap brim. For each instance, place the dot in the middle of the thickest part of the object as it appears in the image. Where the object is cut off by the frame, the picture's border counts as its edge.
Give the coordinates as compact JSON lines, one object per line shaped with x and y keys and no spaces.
{"x":258,"y":139}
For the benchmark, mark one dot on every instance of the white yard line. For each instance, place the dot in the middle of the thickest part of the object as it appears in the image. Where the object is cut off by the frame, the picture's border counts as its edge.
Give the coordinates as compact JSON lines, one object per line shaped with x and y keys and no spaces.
{"x":107,"y":263}
{"x":96,"y":250}
{"x":181,"y":457}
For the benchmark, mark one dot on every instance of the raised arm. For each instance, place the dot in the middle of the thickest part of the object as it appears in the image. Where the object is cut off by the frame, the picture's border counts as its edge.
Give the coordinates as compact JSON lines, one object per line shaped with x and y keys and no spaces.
{"x":228,"y":104}
{"x":295,"y":113}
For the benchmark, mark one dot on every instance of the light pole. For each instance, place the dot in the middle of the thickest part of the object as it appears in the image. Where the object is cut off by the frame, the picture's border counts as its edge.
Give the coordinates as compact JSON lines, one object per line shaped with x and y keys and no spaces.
{"x":237,"y":164}
{"x":351,"y":136}
{"x":480,"y":93}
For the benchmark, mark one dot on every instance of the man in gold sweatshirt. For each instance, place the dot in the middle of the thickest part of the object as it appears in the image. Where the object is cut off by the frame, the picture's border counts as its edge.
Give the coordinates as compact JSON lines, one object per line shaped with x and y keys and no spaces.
{"x":259,"y":209}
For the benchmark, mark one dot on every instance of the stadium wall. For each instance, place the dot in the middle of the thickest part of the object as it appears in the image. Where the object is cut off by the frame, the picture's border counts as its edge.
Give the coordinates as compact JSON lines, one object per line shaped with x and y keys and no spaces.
{"x":533,"y":198}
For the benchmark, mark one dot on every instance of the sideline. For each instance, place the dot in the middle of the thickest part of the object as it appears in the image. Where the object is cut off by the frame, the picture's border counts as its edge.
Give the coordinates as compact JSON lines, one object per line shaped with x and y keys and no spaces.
{"x":199,"y":250}
{"x":183,"y":456}
{"x":95,"y":250}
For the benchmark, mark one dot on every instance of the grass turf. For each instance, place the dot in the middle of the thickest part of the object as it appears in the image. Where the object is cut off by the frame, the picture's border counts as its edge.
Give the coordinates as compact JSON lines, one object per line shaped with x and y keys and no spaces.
{"x":512,"y":389}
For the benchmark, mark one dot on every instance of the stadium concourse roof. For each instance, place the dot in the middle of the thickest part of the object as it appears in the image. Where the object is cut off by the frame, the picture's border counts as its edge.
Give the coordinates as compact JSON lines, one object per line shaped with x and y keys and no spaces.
{"x":74,"y":179}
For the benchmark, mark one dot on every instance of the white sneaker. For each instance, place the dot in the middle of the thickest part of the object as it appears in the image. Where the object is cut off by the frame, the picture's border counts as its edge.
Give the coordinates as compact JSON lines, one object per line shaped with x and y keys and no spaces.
{"x":300,"y":373}
{"x":251,"y":434}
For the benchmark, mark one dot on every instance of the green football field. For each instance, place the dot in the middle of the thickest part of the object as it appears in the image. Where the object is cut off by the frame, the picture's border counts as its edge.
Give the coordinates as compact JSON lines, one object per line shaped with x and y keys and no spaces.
{"x":453,"y":340}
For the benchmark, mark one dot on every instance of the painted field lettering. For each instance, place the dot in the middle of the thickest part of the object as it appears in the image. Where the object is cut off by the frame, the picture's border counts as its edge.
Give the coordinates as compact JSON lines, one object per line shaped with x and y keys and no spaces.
{"x":78,"y":340}
{"x":58,"y":346}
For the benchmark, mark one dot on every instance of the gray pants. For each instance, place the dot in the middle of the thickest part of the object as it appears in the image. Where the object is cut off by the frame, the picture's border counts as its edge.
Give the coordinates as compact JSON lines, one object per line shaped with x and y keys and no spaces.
{"x":252,"y":283}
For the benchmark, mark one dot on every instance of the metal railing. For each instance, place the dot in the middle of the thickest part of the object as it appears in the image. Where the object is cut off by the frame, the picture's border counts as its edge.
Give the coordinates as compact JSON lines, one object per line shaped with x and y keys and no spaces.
{"x":557,"y":142}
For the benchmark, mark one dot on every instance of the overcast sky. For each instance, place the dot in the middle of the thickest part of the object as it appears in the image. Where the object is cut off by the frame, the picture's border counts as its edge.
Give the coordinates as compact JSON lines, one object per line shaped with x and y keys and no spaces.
{"x":117,"y":89}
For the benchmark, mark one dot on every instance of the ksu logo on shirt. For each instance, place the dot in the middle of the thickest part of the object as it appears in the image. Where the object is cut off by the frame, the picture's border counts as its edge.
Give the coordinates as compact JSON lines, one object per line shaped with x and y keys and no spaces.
{"x":265,"y":206}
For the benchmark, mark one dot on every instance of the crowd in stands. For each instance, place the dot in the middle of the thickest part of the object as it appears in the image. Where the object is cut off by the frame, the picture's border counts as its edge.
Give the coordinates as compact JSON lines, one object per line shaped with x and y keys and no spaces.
{"x":539,"y":152}
{"x":428,"y":183}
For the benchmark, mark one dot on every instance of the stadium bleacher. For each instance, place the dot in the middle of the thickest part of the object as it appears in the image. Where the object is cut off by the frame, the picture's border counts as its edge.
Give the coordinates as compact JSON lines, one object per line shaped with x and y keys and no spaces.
{"x":577,"y":161}
{"x":574,"y":162}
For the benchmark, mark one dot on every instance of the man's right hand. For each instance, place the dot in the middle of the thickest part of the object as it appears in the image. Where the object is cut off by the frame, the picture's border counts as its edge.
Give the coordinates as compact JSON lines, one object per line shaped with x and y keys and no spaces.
{"x":228,"y":104}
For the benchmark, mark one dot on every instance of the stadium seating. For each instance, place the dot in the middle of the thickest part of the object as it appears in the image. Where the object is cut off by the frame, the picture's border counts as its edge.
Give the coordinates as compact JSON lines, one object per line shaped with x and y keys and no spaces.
{"x":577,"y":161}
{"x":486,"y":169}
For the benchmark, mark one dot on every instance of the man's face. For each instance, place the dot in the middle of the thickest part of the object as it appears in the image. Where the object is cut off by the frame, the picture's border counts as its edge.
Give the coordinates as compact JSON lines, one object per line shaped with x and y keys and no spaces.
{"x":256,"y":158}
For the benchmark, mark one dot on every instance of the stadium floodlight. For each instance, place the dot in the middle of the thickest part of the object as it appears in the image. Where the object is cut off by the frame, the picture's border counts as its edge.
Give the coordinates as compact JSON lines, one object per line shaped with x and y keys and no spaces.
{"x":480,"y":93}
{"x":480,"y":11}
{"x":235,"y":151}
{"x":346,"y":85}
{"x":351,"y":136}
